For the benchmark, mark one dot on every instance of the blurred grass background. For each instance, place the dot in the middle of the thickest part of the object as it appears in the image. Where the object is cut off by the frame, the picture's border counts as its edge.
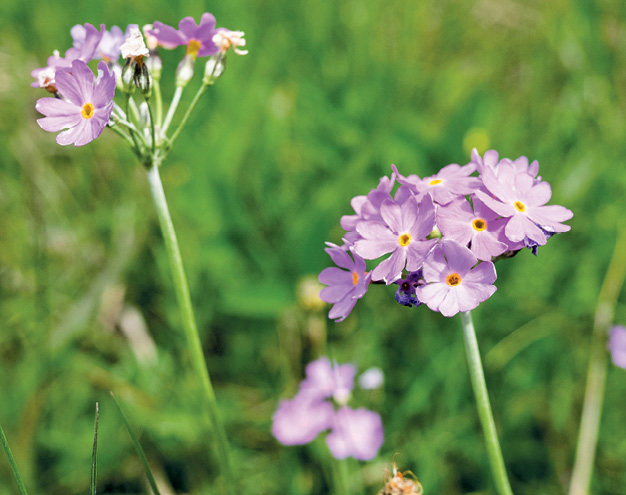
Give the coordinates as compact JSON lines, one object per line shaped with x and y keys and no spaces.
{"x":330,"y":95}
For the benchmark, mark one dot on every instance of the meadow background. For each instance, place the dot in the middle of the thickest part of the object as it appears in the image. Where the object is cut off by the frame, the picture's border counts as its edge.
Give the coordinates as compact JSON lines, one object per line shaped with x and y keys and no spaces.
{"x":330,"y":95}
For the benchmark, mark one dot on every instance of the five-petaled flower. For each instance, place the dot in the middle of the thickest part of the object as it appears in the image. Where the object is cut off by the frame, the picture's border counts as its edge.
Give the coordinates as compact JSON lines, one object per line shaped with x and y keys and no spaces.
{"x":197,"y":38}
{"x":85,"y":106}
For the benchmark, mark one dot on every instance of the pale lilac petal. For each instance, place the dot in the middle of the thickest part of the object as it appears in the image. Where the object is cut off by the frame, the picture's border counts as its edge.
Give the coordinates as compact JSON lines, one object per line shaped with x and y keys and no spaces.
{"x":55,"y":124}
{"x":523,"y":183}
{"x":484,"y":273}
{"x":336,"y":293}
{"x":550,"y":216}
{"x":390,"y":269}
{"x":459,"y":258}
{"x":84,"y":80}
{"x":519,"y":226}
{"x":71,"y":135}
{"x":539,"y":195}
{"x":334,"y":275}
{"x":495,"y":186}
{"x":299,"y":420}
{"x":392,"y":215}
{"x":417,"y":252}
{"x":470,"y":294}
{"x":356,"y":433}
{"x":485,"y":245}
{"x":503,"y":209}
{"x":68,"y":87}
{"x":617,"y":345}
{"x":187,"y":27}
{"x":450,"y":304}
{"x":374,"y":246}
{"x":342,"y":309}
{"x":339,"y":256}
{"x":425,"y":219}
{"x":434,"y":266}
{"x":432,"y":294}
{"x":55,"y":107}
{"x":168,"y":36}
{"x":105,"y":88}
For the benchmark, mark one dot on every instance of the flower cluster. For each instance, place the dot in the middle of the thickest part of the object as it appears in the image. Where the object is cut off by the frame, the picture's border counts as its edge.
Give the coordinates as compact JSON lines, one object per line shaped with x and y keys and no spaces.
{"x":83,"y":103}
{"x":354,"y":433}
{"x":442,"y":233}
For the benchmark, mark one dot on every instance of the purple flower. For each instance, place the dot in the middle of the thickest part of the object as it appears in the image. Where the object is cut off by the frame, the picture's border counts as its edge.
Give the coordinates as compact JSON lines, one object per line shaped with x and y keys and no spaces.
{"x":489,"y":160}
{"x":324,"y":380}
{"x":46,"y":76}
{"x":301,"y":419}
{"x":356,"y":433}
{"x":406,"y":294}
{"x":617,"y":345}
{"x":198,"y":38}
{"x":403,"y":234}
{"x":521,"y":199}
{"x":109,"y":47}
{"x":449,"y":183}
{"x":452,"y":285}
{"x":479,"y":227}
{"x":345,"y":288}
{"x":85,"y":108}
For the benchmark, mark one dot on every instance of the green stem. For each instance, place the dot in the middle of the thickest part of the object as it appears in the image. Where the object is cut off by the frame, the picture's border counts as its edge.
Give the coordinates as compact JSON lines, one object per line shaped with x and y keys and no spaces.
{"x":156,"y":85}
{"x":484,"y":408}
{"x":189,"y":322}
{"x":192,"y":105}
{"x":340,"y":477}
{"x":172,"y":109}
{"x":152,"y":126}
{"x":596,"y":374}
{"x":16,"y":473}
{"x":133,"y":133}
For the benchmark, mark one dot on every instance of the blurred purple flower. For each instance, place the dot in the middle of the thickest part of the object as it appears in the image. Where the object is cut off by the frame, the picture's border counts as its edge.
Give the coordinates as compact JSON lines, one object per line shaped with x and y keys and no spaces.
{"x":85,"y":107}
{"x":198,"y":38}
{"x":449,"y":183}
{"x":617,"y":345}
{"x":324,"y":380}
{"x":299,"y":420}
{"x":402,"y":233}
{"x":46,"y":76}
{"x":452,"y":285}
{"x":344,"y":287}
{"x":109,"y":47}
{"x":356,"y":433}
{"x":477,"y":227}
{"x":521,"y":199}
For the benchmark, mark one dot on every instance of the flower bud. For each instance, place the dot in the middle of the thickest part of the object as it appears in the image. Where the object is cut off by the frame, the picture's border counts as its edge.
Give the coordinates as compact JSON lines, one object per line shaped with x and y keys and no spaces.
{"x":213,"y":69}
{"x":184,"y":71}
{"x":142,"y":78}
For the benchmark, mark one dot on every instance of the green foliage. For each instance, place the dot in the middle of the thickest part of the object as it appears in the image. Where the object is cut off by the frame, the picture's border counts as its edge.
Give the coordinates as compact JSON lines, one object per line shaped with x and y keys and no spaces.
{"x":330,"y":95}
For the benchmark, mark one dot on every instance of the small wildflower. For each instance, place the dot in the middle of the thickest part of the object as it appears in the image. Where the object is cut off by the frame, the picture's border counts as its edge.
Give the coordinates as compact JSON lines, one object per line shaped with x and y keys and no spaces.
{"x":400,"y":484}
{"x":617,"y":345}
{"x":225,"y":39}
{"x":406,"y":294}
{"x":324,"y":380}
{"x":197,"y":38}
{"x":85,"y":106}
{"x":299,"y":420}
{"x":345,"y":288}
{"x":372,"y":378}
{"x":403,"y":234}
{"x":453,"y":283}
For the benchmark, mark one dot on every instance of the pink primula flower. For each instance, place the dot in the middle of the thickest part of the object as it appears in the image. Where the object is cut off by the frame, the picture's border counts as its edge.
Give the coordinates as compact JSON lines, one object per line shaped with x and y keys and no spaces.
{"x":453,"y":283}
{"x":197,"y":37}
{"x":85,"y":106}
{"x":520,"y":198}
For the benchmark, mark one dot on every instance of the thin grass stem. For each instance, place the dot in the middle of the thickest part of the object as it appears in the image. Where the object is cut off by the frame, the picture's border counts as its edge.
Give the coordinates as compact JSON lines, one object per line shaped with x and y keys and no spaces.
{"x":16,"y":473}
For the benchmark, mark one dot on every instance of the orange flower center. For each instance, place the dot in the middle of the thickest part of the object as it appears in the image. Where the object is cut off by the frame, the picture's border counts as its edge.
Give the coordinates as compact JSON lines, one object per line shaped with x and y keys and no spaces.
{"x":434,"y":182}
{"x":404,"y":240}
{"x":453,"y":279}
{"x":87,"y":111}
{"x":355,"y":278}
{"x":519,"y":206}
{"x":479,"y":224}
{"x":193,"y":47}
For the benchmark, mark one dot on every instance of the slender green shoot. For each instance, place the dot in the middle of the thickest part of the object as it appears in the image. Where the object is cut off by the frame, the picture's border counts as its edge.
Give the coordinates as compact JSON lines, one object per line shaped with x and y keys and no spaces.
{"x":94,"y":454}
{"x":138,"y":448}
{"x":16,"y":473}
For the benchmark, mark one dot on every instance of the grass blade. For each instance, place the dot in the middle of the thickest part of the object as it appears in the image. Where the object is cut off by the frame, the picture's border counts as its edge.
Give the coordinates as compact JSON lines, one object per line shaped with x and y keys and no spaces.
{"x":16,"y":473}
{"x":94,"y":460}
{"x":138,"y":448}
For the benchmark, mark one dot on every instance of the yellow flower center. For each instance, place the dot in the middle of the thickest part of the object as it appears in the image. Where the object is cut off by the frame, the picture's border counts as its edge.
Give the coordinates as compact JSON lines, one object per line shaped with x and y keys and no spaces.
{"x":519,"y":206}
{"x":453,"y":279}
{"x":193,"y":47}
{"x":404,"y":240}
{"x":434,"y":182}
{"x":479,"y":224}
{"x":87,"y":111}
{"x":355,"y":278}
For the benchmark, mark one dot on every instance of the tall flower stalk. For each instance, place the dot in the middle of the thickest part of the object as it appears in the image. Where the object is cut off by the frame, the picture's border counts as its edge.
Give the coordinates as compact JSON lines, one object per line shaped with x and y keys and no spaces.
{"x":483,"y":406}
{"x":83,"y":107}
{"x":16,"y":473}
{"x":596,"y":373}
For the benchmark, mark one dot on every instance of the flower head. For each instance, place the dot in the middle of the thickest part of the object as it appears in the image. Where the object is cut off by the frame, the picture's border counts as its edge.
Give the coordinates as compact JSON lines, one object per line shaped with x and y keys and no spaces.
{"x":402,"y":233}
{"x":225,"y":39}
{"x":453,"y":283}
{"x":85,"y":106}
{"x":134,"y":45}
{"x":520,"y":198}
{"x":299,"y":420}
{"x":197,"y":38}
{"x":474,"y":225}
{"x":406,"y":294}
{"x":345,"y":288}
{"x":617,"y":345}
{"x":324,"y":380}
{"x":356,"y":433}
